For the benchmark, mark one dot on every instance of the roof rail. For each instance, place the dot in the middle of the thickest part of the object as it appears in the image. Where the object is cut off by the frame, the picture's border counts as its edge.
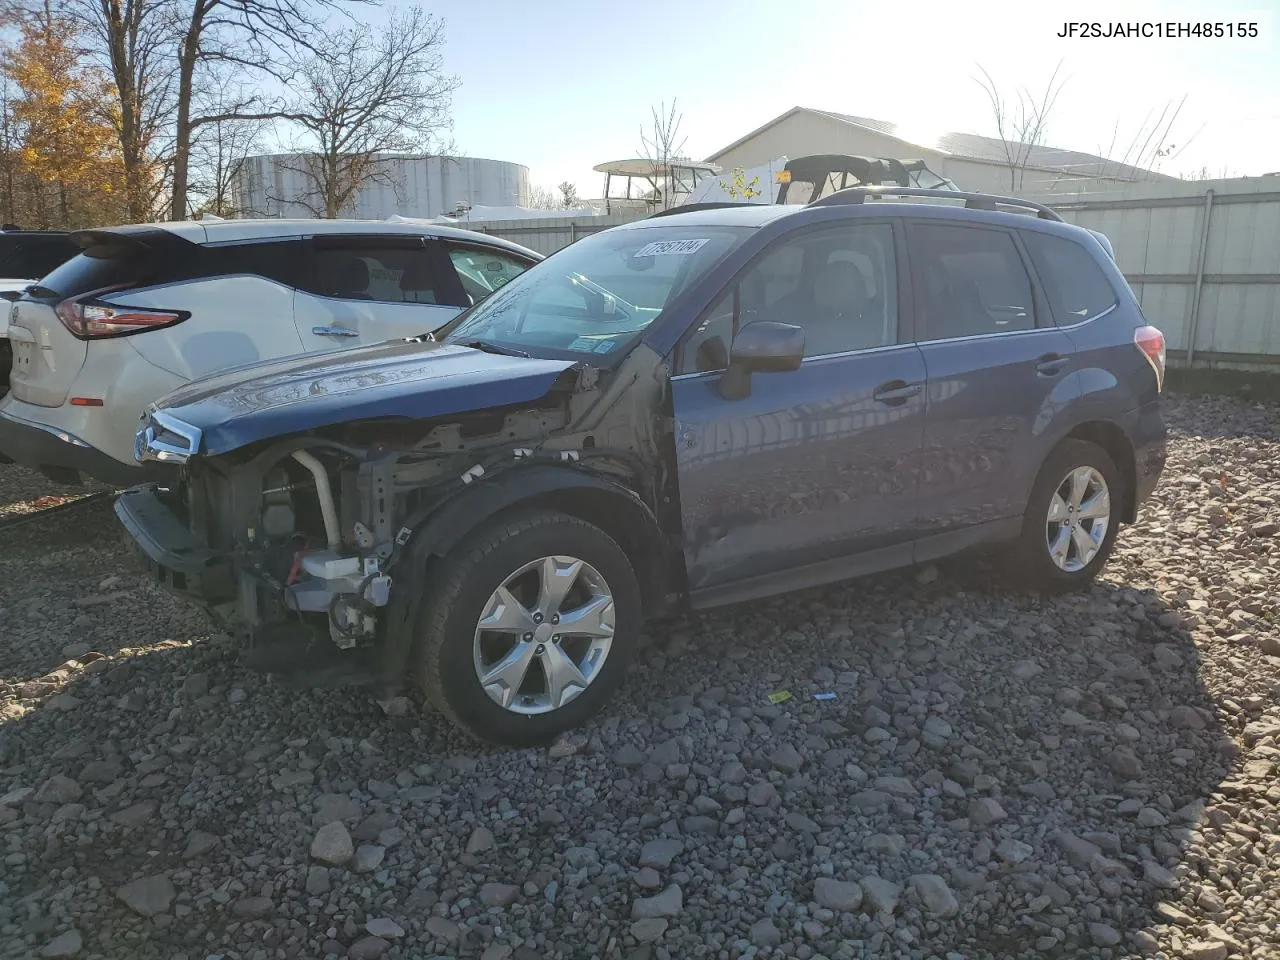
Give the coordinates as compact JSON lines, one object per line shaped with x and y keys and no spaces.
{"x":972,"y":201}
{"x":704,"y":205}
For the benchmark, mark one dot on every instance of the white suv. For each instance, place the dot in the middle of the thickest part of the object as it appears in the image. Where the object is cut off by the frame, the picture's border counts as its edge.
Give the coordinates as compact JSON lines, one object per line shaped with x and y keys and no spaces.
{"x":144,"y":309}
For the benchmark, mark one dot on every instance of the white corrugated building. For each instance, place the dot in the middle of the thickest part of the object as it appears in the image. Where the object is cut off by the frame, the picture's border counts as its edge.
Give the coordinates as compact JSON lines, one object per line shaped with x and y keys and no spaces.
{"x":972,"y":162}
{"x":273,"y":186}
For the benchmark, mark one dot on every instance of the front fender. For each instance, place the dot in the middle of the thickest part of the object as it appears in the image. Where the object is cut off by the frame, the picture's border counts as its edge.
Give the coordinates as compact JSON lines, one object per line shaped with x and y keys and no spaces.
{"x":433,"y":534}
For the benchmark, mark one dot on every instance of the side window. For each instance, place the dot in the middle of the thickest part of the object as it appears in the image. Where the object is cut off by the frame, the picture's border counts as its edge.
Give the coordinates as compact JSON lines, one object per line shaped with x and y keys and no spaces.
{"x":483,"y":271}
{"x":276,"y":260}
{"x":1074,"y":283}
{"x":971,"y":281}
{"x":395,"y":273}
{"x":838,"y":284}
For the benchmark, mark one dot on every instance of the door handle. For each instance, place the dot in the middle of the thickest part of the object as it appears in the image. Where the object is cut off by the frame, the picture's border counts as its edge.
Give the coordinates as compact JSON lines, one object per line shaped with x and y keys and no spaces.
{"x":895,"y":392}
{"x":1051,"y":364}
{"x":335,"y":332}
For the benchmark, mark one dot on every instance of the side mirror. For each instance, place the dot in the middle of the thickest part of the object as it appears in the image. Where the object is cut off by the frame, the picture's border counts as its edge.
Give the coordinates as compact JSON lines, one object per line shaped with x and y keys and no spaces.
{"x":764,"y":346}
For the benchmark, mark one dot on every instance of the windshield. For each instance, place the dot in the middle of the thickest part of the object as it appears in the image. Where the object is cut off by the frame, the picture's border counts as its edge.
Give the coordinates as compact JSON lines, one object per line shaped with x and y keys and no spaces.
{"x":595,"y":295}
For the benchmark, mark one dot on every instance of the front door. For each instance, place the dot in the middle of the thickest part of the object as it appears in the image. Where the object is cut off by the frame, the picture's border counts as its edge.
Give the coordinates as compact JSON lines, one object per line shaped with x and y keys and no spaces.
{"x":816,"y":464}
{"x":997,"y":369}
{"x":366,"y":289}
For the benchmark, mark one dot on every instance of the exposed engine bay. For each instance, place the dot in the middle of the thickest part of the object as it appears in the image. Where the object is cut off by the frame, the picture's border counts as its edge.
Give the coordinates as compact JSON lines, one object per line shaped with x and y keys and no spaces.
{"x":326,"y":531}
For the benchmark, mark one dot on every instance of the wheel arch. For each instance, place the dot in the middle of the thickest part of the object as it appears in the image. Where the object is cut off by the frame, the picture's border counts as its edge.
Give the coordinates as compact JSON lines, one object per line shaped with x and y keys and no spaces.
{"x":612,"y":507}
{"x":1112,"y":438}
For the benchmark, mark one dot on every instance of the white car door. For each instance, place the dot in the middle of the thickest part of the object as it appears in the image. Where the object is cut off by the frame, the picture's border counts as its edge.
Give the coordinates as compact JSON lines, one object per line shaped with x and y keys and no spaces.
{"x":359,"y":289}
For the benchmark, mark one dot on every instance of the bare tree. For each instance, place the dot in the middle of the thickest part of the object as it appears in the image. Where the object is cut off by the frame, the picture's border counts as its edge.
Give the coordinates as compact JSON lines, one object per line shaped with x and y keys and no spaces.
{"x":1021,"y":122}
{"x":568,"y":195}
{"x":543,"y":198}
{"x":362,"y":99}
{"x":218,"y":151}
{"x":133,"y":40}
{"x":1152,"y":143}
{"x":661,"y":144}
{"x":258,"y":36}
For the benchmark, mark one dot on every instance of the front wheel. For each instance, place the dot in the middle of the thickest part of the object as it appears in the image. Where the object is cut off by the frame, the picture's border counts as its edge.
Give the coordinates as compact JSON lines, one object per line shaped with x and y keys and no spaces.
{"x":1071,"y":520}
{"x":528,"y":627}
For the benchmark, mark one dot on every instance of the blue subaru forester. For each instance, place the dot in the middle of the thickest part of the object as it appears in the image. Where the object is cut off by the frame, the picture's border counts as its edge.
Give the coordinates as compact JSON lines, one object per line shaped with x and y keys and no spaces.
{"x":707,"y":406}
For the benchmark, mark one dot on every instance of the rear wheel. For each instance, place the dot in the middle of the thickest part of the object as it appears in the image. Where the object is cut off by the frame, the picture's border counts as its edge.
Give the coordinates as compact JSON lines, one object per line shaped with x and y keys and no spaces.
{"x":1071,"y":520}
{"x":528,"y":627}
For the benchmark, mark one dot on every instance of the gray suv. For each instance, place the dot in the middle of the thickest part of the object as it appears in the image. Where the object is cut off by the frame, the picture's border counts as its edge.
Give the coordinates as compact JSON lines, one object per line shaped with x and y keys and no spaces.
{"x":703,"y":407}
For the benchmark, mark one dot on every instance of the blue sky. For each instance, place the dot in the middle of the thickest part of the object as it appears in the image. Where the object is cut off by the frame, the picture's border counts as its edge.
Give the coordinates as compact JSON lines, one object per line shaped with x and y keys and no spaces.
{"x":560,"y":86}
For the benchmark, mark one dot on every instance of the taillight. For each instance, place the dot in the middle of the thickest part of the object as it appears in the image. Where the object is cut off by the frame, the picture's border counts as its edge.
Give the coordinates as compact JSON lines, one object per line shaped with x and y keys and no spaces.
{"x":1151,"y":342}
{"x":90,"y":320}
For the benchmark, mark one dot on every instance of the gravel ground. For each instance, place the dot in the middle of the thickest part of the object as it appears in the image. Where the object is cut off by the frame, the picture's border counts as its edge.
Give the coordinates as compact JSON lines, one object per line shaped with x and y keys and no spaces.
{"x":997,"y":775}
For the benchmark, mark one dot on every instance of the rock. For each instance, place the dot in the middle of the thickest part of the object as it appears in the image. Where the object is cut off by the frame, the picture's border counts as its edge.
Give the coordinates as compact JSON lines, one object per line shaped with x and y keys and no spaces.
{"x":648,"y":930}
{"x":65,"y":944}
{"x":1014,"y":851}
{"x":317,"y":880}
{"x":76,"y":650}
{"x":1186,"y":718}
{"x":1125,"y":763}
{"x":336,"y":807}
{"x":498,"y":894}
{"x":368,"y":948}
{"x":660,"y":852}
{"x":881,"y":896}
{"x":196,"y":685}
{"x":332,"y":845}
{"x":148,"y":896}
{"x":764,"y":934}
{"x":253,"y":908}
{"x":443,"y":928}
{"x":1103,"y":935}
{"x":1080,"y":853}
{"x":134,"y":816}
{"x":786,"y":759}
{"x":985,"y":811}
{"x":579,"y":857}
{"x":1206,"y":950}
{"x":629,"y":756}
{"x":936,"y":731}
{"x":368,"y":858}
{"x":16,"y":796}
{"x":839,"y":895}
{"x":936,"y":896}
{"x":896,"y":786}
{"x":198,"y":842}
{"x":384,"y":927}
{"x":58,"y":789}
{"x":668,"y":903}
{"x":762,"y":794}
{"x":481,"y":840}
{"x":1158,"y":875}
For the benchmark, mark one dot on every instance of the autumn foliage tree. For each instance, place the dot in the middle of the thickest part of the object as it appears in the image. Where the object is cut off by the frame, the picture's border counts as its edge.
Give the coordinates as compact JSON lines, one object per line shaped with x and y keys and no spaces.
{"x":61,"y":158}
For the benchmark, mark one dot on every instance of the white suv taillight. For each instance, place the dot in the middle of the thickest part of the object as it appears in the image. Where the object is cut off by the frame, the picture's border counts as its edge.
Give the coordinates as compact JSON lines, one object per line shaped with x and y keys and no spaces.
{"x":1150,"y":341}
{"x":91,"y":320}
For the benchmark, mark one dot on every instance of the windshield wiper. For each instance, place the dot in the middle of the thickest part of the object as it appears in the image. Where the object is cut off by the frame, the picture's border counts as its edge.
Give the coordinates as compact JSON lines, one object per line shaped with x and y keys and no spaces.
{"x":488,"y":347}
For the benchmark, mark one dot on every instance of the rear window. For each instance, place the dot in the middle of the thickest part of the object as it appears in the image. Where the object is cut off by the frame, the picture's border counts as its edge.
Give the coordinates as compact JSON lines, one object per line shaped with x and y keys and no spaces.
{"x":83,"y":274}
{"x":1076,"y":286}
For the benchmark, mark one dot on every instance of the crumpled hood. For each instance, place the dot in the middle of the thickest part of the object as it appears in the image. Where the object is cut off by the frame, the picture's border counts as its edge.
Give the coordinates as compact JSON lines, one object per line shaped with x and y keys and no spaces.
{"x":398,"y":378}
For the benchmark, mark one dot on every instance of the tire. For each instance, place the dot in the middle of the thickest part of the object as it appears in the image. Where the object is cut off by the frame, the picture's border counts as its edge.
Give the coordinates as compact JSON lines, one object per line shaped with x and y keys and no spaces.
{"x":1033,"y":561}
{"x":453,"y":651}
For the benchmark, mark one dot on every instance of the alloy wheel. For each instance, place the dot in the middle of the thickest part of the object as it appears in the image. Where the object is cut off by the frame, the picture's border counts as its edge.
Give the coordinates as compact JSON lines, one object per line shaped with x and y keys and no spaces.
{"x":544,"y":635}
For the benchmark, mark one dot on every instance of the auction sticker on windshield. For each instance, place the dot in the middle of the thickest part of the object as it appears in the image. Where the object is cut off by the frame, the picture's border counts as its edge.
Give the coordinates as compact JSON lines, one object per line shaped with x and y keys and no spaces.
{"x":671,"y":248}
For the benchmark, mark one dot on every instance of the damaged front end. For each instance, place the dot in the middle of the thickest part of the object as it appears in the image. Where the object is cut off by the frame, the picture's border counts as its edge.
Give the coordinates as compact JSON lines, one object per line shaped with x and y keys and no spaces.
{"x":326,"y":533}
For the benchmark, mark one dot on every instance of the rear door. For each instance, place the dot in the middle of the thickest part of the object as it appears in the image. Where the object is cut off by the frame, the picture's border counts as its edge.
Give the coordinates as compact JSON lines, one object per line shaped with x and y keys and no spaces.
{"x":997,"y":369}
{"x":366,"y":289}
{"x":817,"y":464}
